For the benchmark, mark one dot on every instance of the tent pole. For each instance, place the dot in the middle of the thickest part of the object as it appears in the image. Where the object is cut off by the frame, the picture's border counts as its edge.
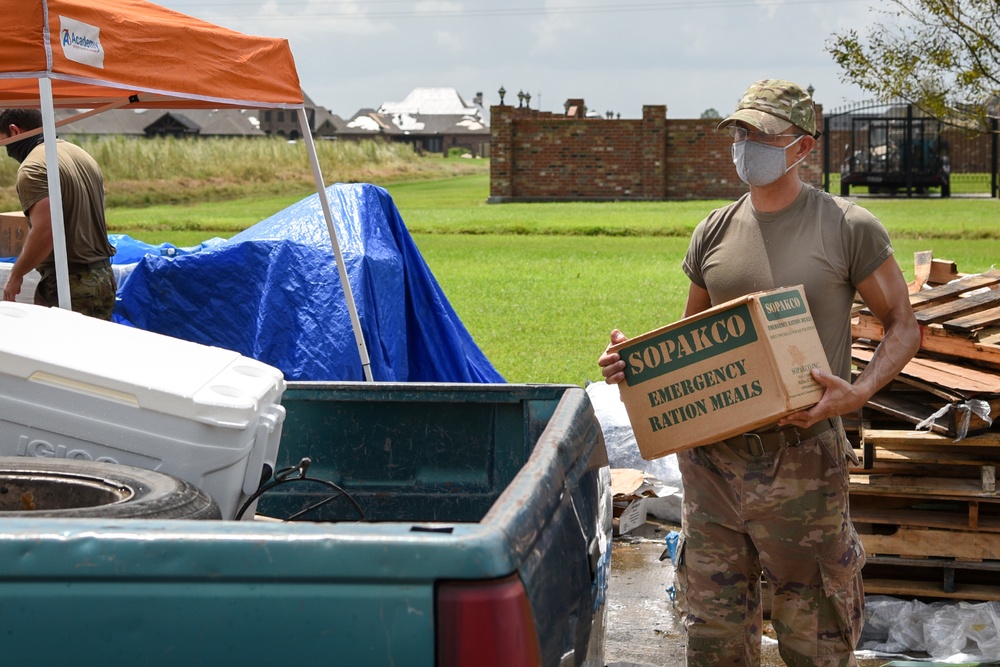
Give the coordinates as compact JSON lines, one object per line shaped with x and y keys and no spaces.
{"x":328,"y":215}
{"x":55,"y":192}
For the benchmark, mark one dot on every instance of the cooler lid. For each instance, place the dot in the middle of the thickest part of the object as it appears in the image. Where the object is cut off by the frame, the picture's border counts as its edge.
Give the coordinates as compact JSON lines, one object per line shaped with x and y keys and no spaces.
{"x":115,"y":362}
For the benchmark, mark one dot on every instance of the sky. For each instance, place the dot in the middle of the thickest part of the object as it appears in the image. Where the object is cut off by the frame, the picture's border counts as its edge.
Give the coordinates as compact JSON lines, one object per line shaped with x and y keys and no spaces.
{"x":618,"y":55}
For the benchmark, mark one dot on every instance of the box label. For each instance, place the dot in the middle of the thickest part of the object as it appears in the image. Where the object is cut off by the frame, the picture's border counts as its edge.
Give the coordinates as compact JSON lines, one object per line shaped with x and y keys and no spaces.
{"x":788,"y":318}
{"x":692,"y":397}
{"x":783,"y":305}
{"x":686,"y":345}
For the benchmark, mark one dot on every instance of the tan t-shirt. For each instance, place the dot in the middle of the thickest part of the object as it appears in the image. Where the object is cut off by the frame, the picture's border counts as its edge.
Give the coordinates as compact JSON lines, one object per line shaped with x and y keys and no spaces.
{"x":82,"y":189}
{"x":823,"y":242}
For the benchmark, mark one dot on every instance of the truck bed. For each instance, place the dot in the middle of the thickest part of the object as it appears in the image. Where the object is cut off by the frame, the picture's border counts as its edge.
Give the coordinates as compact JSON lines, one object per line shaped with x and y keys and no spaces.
{"x":458,"y":482}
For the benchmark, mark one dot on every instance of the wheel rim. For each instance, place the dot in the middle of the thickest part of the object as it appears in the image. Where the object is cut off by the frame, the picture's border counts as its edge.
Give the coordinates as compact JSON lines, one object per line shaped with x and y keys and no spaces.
{"x":44,"y":491}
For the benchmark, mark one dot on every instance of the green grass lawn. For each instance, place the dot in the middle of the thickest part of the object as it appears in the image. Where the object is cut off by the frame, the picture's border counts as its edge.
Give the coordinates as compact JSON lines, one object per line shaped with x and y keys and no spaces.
{"x":539,"y":286}
{"x":541,"y":308}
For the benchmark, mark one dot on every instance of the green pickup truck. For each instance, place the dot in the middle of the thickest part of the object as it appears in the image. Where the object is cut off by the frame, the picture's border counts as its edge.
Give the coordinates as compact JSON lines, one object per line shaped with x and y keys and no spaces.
{"x":474,"y":529}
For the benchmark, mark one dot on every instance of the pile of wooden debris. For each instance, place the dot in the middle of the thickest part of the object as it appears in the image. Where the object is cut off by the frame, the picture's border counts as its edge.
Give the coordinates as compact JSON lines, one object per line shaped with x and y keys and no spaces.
{"x":924,"y":498}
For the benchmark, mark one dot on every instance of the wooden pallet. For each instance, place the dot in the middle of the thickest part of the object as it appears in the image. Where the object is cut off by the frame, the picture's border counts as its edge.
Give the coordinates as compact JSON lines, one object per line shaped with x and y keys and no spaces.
{"x":927,"y":562}
{"x":954,"y":514}
{"x":928,"y":579}
{"x":954,"y":320}
{"x":921,"y":486}
{"x":970,"y":546}
{"x":921,"y":464}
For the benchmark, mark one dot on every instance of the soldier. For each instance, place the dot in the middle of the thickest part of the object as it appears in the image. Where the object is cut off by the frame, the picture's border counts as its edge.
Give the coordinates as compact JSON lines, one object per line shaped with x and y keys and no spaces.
{"x":775,"y":501}
{"x":92,"y":282}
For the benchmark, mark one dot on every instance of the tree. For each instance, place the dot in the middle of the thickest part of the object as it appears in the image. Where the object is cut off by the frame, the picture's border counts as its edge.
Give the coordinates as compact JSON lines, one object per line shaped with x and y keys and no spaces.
{"x":710,"y":113}
{"x":941,"y":55}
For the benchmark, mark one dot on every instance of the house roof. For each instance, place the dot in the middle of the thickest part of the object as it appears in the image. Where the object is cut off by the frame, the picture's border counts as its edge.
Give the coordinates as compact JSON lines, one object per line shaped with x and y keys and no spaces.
{"x":425,"y":111}
{"x":452,"y":124}
{"x":226,"y":122}
{"x":370,"y":122}
{"x":131,"y":122}
{"x":323,"y":116}
{"x":175,"y":118}
{"x":430,"y":101}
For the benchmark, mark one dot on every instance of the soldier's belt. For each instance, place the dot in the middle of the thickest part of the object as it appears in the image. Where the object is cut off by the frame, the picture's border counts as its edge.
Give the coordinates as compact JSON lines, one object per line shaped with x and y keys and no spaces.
{"x":758,"y":443}
{"x":76,"y":267}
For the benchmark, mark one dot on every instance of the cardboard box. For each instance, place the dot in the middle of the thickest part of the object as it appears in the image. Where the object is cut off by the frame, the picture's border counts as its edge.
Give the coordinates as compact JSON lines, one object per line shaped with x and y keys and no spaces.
{"x":13,"y":230}
{"x":726,"y":371}
{"x":635,"y":495}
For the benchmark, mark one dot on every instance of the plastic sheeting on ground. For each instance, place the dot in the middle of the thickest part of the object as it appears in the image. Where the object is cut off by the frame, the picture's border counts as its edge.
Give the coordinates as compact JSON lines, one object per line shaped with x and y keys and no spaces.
{"x":272,"y":292}
{"x":946,"y":630}
{"x":623,"y":452}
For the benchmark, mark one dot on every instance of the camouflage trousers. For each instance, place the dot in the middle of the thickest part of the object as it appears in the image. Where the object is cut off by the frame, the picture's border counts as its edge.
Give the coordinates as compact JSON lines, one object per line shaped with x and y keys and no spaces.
{"x":785,"y":515}
{"x":91,"y":291}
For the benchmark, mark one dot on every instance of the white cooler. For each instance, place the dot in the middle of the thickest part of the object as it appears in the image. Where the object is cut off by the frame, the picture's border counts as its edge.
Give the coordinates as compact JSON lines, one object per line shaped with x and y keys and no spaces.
{"x":77,"y":387}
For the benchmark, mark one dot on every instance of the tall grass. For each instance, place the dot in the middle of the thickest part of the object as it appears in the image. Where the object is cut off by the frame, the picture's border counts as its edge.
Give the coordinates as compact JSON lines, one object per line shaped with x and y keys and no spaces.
{"x":165,"y":170}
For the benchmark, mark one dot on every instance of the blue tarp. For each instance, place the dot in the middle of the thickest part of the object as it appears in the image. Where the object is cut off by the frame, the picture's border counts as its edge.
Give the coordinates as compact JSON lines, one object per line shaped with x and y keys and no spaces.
{"x":273,"y":293}
{"x":129,"y":250}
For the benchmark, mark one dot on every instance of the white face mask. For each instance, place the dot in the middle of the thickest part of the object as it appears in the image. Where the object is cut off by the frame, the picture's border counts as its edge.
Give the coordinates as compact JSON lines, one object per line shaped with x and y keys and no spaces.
{"x":760,"y":164}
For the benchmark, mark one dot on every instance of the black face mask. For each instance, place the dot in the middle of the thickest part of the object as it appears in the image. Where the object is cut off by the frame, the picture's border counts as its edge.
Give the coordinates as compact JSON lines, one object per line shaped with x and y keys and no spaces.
{"x":19,"y":149}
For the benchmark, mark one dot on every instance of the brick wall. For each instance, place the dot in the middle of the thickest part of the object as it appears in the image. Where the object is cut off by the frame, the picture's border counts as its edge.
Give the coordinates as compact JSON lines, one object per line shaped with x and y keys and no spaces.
{"x":538,"y":155}
{"x":542,"y":156}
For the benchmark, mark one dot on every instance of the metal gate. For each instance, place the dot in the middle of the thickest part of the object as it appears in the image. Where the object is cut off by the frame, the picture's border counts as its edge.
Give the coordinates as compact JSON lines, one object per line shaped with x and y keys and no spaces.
{"x":894,"y":149}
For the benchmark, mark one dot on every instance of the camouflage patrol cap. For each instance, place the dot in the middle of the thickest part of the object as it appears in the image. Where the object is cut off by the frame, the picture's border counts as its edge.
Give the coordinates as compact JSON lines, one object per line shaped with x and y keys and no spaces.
{"x":769,"y":105}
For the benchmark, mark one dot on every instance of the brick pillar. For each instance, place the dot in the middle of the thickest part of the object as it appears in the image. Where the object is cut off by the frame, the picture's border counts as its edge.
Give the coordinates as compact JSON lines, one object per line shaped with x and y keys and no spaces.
{"x":501,"y":152}
{"x":653,"y":162}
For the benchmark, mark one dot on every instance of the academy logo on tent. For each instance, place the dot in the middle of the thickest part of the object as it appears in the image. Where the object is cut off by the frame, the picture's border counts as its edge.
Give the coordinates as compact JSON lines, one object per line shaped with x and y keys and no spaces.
{"x":81,"y":42}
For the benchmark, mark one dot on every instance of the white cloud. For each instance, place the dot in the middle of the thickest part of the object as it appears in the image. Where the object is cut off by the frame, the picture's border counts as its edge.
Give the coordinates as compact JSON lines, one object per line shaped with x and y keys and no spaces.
{"x":449,"y":41}
{"x":769,"y":8}
{"x":437,"y":7}
{"x":555,"y":29}
{"x":353,"y":54}
{"x":294,"y":19}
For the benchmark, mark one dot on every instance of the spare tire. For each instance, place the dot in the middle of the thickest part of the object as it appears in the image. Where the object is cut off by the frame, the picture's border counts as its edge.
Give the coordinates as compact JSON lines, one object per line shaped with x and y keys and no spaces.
{"x":67,"y":488}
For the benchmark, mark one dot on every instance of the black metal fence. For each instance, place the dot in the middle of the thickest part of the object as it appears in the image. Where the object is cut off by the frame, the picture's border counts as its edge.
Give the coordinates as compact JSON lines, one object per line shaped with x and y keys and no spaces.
{"x":894,"y":149}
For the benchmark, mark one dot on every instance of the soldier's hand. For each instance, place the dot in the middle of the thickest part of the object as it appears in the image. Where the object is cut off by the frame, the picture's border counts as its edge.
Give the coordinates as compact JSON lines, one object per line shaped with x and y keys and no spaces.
{"x":12,"y":287}
{"x":612,"y":366}
{"x":838,"y":398}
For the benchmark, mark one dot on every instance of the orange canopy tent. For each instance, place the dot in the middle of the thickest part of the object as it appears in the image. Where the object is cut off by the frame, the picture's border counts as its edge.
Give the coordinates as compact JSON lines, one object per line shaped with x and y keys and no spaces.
{"x":94,"y":56}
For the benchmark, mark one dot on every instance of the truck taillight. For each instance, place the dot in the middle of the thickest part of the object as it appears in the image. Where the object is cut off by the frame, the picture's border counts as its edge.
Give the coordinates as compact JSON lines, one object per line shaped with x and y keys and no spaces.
{"x":486,"y":624}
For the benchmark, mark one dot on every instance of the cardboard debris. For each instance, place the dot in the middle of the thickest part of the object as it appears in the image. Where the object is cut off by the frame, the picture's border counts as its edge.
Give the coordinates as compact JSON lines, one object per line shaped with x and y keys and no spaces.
{"x":13,"y":230}
{"x":635,"y":495}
